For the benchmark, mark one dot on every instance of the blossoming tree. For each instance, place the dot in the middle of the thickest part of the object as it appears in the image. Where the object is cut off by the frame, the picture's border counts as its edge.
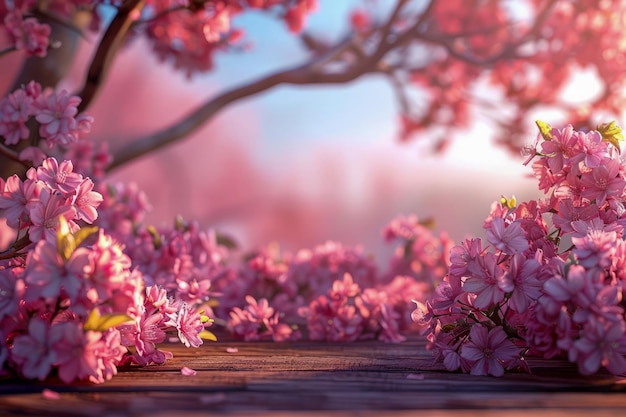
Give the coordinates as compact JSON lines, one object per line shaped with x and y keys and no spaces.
{"x":87,"y":286}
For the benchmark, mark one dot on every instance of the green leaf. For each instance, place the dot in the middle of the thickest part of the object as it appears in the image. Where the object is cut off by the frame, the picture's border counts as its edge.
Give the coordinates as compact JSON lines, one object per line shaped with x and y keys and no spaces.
{"x":101,"y":323}
{"x":545,"y":129}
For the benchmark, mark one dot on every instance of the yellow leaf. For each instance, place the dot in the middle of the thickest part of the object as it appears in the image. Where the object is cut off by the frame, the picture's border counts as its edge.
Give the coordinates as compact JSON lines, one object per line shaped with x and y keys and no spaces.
{"x":84,"y":233}
{"x":156,"y":236}
{"x":101,"y":323}
{"x":508,"y":202}
{"x":545,"y":129}
{"x":611,"y":133}
{"x":207,"y":335}
{"x":66,"y":243}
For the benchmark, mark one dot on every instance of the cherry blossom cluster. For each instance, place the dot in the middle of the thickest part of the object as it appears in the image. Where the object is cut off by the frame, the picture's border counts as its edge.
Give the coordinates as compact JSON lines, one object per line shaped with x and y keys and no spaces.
{"x":72,"y":304}
{"x":330,"y":293}
{"x":186,"y":32}
{"x":190,"y":32}
{"x":48,"y":193}
{"x":549,"y":281}
{"x":184,"y":260}
{"x":532,"y":50}
{"x":28,"y":33}
{"x":32,"y":113}
{"x":271,"y":295}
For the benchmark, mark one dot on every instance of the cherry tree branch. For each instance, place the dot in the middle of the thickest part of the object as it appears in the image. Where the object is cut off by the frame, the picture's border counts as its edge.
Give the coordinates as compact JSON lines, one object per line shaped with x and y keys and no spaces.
{"x":309,"y":73}
{"x":319,"y":71}
{"x":7,"y":50}
{"x":16,"y":248}
{"x":9,"y":153}
{"x":510,"y":51}
{"x":107,"y":49}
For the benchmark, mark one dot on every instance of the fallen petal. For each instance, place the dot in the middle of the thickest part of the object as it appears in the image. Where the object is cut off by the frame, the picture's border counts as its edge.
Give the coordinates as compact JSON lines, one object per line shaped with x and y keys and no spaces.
{"x":48,"y":394}
{"x":187,"y":371}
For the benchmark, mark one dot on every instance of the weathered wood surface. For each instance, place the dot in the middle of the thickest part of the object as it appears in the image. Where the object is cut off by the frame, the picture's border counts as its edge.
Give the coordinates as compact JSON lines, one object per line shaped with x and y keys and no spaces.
{"x":365,"y":378}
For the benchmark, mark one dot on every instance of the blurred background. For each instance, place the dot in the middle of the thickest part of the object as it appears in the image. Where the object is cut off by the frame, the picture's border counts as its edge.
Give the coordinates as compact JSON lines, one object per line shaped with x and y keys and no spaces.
{"x":298,"y":165}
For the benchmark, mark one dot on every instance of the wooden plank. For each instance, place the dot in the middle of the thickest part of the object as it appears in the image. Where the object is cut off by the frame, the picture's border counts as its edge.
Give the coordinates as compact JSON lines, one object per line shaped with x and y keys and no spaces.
{"x":303,"y":377}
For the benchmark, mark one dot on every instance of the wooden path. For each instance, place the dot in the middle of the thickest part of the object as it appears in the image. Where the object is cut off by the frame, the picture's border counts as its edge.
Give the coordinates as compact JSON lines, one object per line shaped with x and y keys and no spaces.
{"x":309,"y":379}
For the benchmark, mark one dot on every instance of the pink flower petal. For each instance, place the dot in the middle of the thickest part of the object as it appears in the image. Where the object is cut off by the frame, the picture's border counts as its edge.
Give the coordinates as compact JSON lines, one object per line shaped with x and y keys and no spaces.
{"x":232,"y":350}
{"x":48,"y":394}
{"x":187,"y":371}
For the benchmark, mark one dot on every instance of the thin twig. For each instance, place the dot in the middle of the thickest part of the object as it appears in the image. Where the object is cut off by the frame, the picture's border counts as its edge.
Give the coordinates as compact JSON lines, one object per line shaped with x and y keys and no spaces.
{"x":507,"y":52}
{"x":386,"y":29}
{"x":7,"y":50}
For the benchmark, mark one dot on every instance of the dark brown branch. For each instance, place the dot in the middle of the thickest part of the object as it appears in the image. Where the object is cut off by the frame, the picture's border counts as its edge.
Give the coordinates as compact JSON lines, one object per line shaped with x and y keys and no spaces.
{"x":9,"y":153}
{"x":386,"y":29}
{"x":107,"y":49}
{"x":15,"y":249}
{"x":7,"y":50}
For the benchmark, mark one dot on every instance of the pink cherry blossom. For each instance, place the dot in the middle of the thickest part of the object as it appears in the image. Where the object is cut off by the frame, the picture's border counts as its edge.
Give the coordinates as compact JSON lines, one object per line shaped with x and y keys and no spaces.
{"x":189,"y":324}
{"x":108,"y":266}
{"x":509,"y":239}
{"x":45,"y":213}
{"x":150,"y":332}
{"x":568,"y":213}
{"x":86,"y":201}
{"x":603,"y":182}
{"x":483,"y":281}
{"x":49,"y":276}
{"x":33,"y":352}
{"x":77,"y":352}
{"x":15,"y":200}
{"x":15,"y":110}
{"x":521,"y":282}
{"x":593,"y":148}
{"x":56,"y":115}
{"x":490,"y":351}
{"x":59,"y":176}
{"x":602,"y":344}
{"x":562,"y":146}
{"x":110,"y":355}
{"x":595,"y":249}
